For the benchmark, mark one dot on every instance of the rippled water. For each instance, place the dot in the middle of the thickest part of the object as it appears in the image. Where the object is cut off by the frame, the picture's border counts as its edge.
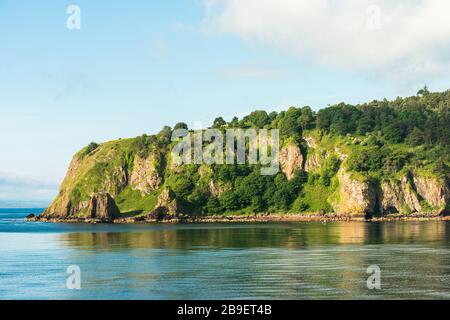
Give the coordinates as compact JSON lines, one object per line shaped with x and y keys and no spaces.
{"x":223,"y":261}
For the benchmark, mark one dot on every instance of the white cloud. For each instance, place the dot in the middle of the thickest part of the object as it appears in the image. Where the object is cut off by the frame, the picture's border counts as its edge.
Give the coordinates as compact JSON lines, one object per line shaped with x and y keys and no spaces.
{"x":406,"y":38}
{"x":240,"y":72}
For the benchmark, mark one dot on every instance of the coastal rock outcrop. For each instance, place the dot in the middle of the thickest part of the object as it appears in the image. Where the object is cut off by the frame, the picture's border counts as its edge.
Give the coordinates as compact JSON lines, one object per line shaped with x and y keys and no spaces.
{"x":102,"y":206}
{"x":63,"y":207}
{"x":399,"y":196}
{"x":167,"y":205}
{"x":356,"y":197}
{"x":435,"y":191}
{"x":412,"y":192}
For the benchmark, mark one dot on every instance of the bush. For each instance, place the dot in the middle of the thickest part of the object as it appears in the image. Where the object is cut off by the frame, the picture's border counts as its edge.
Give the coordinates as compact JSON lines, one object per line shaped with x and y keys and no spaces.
{"x":230,"y":201}
{"x":182,"y":185}
{"x":213,"y":205}
{"x":300,"y":205}
{"x":90,"y":148}
{"x":257,"y":204}
{"x":329,"y":170}
{"x":181,"y":125}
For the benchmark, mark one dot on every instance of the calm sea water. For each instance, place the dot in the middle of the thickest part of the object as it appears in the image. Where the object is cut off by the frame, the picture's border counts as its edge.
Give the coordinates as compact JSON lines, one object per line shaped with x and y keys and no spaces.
{"x":223,"y":261}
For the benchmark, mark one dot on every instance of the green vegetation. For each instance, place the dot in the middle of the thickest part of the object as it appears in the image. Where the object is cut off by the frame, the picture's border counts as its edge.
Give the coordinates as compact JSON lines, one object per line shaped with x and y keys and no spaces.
{"x":131,"y":202}
{"x":376,"y":140}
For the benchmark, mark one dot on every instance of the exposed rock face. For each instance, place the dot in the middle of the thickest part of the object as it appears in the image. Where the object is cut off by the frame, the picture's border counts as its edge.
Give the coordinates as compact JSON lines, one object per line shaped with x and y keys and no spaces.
{"x":62,"y":207}
{"x":311,"y":142}
{"x":291,"y":160}
{"x":313,"y":162}
{"x":114,"y":166}
{"x":399,"y":196}
{"x":341,"y":155}
{"x":217,"y":188}
{"x":356,"y":198}
{"x":167,"y":205}
{"x":145,"y":176}
{"x":117,"y":181}
{"x":434,"y":191}
{"x":102,"y":206}
{"x":407,"y":194}
{"x":79,"y":178}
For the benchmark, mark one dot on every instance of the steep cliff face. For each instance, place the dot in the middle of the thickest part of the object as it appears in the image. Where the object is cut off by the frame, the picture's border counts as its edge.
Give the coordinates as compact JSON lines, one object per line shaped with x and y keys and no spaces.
{"x":357,"y":197}
{"x":435,"y":191}
{"x":145,"y":176}
{"x":102,"y":206}
{"x":415,"y":193}
{"x":116,"y":177}
{"x":399,"y":196}
{"x":62,"y":206}
{"x":291,"y":160}
{"x":409,"y":194}
{"x":103,"y":170}
{"x":313,"y":160}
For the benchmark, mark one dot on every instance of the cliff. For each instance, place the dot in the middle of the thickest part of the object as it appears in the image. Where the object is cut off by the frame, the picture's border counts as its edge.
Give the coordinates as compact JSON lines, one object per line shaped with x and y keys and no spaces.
{"x":322,"y":170}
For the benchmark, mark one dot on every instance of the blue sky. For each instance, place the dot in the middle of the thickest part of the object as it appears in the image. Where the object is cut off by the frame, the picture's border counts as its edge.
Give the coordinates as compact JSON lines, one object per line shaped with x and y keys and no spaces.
{"x":135,"y":66}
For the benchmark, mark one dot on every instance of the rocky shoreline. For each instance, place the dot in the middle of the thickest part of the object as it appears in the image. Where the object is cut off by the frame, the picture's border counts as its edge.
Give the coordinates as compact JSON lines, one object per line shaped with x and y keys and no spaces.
{"x":260,"y":218}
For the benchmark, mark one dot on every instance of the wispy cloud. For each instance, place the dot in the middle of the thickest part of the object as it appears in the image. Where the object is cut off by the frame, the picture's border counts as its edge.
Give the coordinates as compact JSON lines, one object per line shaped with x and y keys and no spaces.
{"x":22,"y":188}
{"x":402,"y":38}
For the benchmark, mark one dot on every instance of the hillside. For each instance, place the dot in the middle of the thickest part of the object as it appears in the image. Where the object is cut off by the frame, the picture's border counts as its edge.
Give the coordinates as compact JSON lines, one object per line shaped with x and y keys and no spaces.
{"x":372,"y":159}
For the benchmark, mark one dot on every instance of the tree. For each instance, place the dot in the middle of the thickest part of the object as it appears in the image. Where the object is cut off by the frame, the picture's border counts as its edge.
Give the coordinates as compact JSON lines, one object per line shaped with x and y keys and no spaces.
{"x":219,"y":122}
{"x":252,"y":185}
{"x":213,"y":205}
{"x":282,"y":198}
{"x":234,"y":122}
{"x":181,"y":125}
{"x":300,"y":205}
{"x":290,"y":126}
{"x":258,"y":118}
{"x":230,"y":201}
{"x":91,"y":147}
{"x":182,"y":185}
{"x":306,"y":118}
{"x":165,"y":135}
{"x":423,"y":92}
{"x":329,"y":170}
{"x":257,"y":204}
{"x":273,"y":115}
{"x":395,"y":132}
{"x":416,"y":137}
